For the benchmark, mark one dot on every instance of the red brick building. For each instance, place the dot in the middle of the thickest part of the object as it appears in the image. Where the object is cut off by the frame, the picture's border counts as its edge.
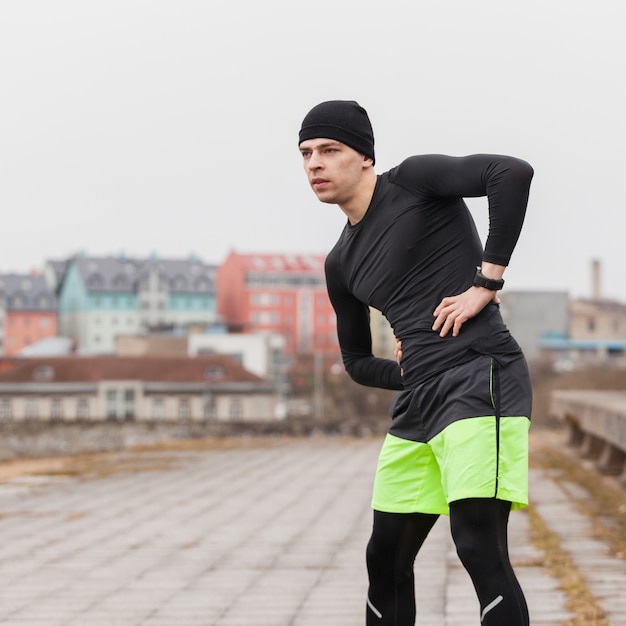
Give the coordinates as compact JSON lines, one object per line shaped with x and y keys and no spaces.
{"x":278,"y":293}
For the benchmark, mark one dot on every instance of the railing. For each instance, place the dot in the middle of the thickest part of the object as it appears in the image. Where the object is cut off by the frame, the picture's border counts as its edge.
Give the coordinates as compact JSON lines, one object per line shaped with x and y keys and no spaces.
{"x":597,"y":425}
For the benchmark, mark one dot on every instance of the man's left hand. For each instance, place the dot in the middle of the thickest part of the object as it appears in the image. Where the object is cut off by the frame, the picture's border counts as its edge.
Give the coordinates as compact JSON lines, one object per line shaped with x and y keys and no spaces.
{"x":454,"y":311}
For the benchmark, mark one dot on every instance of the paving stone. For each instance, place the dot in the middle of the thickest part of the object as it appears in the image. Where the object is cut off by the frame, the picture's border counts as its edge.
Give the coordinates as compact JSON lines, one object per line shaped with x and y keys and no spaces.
{"x":250,"y":536}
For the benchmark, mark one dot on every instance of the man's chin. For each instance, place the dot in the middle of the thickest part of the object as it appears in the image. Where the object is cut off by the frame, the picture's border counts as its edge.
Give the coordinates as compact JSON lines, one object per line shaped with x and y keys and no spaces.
{"x":326,"y":198}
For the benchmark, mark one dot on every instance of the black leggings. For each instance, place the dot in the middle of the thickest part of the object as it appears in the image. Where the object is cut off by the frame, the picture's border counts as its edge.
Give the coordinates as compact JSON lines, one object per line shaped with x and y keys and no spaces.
{"x":479,"y":530}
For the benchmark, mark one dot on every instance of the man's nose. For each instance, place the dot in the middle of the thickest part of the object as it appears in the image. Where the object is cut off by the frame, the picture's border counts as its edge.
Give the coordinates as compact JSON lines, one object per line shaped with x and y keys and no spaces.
{"x":314,"y":161}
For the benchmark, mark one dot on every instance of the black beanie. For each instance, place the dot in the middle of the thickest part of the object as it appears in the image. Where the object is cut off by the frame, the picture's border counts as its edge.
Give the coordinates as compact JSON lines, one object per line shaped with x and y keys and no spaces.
{"x":343,"y":120}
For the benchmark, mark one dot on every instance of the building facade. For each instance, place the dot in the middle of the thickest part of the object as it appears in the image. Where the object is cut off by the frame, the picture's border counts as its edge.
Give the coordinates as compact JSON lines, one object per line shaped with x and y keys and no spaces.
{"x":28,"y":312}
{"x":279,"y":294}
{"x":596,"y":335}
{"x":533,"y":316}
{"x":262,"y":354}
{"x":103,"y":297}
{"x":76,"y":388}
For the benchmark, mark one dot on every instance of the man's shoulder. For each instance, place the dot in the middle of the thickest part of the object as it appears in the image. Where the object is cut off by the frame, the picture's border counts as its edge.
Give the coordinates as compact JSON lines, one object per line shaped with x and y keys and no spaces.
{"x":416,"y":171}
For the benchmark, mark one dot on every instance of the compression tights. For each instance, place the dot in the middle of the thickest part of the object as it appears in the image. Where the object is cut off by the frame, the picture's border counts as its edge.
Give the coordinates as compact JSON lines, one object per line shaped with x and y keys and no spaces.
{"x":479,"y":530}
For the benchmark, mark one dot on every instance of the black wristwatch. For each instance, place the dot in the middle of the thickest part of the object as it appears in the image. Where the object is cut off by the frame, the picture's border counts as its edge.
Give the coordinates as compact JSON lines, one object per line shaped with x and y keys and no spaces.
{"x":480,"y":280}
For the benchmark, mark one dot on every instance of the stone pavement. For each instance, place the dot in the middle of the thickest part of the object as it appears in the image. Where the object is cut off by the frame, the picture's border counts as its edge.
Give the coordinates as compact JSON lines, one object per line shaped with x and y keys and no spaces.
{"x":259,"y":533}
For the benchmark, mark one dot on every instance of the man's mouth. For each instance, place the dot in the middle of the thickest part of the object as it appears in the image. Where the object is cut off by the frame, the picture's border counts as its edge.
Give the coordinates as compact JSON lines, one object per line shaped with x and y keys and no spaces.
{"x":318,"y":183}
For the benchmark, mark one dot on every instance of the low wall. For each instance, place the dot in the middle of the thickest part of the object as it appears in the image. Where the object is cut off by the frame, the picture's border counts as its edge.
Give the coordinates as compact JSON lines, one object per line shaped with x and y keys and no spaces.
{"x":597,"y":424}
{"x":48,"y":439}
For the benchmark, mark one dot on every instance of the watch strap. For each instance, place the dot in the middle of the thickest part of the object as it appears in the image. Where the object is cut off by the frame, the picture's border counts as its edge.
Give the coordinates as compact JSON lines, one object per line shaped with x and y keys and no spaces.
{"x":494,"y":284}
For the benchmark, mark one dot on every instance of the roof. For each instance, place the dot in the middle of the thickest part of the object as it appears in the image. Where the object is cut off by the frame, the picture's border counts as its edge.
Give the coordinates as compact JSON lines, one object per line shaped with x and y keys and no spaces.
{"x":58,"y":268}
{"x":27,"y":292}
{"x":557,"y":343}
{"x":601,"y":304}
{"x":214,"y":369}
{"x":127,"y":275}
{"x":49,"y":346}
{"x":307,"y":263}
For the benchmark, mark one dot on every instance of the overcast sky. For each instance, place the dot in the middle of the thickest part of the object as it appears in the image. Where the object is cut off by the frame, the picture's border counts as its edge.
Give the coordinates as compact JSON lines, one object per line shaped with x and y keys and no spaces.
{"x":170,"y":126}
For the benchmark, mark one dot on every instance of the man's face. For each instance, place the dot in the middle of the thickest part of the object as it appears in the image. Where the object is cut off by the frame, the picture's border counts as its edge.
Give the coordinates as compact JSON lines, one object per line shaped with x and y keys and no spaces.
{"x":334,"y":170}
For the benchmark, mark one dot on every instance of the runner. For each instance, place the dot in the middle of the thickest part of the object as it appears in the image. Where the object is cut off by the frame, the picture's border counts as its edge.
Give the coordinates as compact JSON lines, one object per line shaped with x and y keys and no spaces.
{"x":458,"y":441}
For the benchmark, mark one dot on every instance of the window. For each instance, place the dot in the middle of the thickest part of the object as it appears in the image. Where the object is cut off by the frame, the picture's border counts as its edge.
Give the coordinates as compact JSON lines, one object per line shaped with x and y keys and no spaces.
{"x":129,"y":404}
{"x":43,"y":372}
{"x":264,"y":299}
{"x":265,"y":318}
{"x":95,"y":281}
{"x":111,"y":404}
{"x":56,"y":409}
{"x":158,"y":409}
{"x":120,"y":282}
{"x":6,"y":410}
{"x":214,"y":372}
{"x":31,"y":410}
{"x":82,"y":409}
{"x":184,"y":409}
{"x":210,"y":409}
{"x":120,"y":404}
{"x":236,"y":409}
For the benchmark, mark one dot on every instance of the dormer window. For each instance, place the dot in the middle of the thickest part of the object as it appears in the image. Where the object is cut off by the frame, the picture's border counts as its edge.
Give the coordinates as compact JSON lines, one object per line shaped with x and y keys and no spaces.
{"x":43,"y":372}
{"x":214,"y":372}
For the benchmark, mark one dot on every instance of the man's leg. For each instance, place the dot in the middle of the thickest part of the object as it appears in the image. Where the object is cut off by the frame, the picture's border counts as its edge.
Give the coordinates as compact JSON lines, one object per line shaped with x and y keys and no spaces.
{"x":396,"y":539}
{"x":479,"y":530}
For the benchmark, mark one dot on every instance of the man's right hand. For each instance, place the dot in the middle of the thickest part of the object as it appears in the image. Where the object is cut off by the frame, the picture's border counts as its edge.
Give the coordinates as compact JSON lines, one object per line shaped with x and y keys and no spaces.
{"x":398,"y":353}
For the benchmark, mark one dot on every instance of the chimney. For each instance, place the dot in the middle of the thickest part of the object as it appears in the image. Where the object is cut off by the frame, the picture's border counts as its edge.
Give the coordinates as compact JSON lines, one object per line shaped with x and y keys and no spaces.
{"x":595,"y":279}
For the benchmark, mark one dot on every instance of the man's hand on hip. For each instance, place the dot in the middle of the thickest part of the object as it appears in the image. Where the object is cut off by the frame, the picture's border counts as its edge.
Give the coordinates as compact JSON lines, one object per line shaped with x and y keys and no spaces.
{"x":454,"y":311}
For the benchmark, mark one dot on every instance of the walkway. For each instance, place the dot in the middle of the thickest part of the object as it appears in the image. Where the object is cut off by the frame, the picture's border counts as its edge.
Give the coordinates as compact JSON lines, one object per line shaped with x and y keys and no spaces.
{"x":266,"y":533}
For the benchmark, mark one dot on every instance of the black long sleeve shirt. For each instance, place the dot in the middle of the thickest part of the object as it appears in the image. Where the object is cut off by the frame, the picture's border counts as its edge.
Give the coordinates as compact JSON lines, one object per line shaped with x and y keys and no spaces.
{"x":416,"y":244}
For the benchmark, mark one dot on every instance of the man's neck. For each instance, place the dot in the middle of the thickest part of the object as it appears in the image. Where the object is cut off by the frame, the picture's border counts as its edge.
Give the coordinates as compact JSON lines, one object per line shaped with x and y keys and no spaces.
{"x":356,"y":209}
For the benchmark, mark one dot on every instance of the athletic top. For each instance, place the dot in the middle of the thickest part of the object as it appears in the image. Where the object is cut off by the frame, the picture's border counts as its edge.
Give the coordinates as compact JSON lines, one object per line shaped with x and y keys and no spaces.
{"x":416,"y":244}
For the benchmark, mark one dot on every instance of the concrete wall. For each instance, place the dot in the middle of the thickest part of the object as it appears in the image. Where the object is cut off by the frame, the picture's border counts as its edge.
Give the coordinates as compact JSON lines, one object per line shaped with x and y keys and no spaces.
{"x":597,"y":422}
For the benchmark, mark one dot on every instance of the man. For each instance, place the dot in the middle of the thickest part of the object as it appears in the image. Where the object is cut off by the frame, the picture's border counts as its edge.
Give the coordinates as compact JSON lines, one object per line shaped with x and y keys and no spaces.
{"x":457,"y":444}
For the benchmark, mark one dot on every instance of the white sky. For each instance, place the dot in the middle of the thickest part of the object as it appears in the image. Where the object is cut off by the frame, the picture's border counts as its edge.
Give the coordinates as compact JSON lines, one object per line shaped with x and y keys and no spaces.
{"x":170,"y":126}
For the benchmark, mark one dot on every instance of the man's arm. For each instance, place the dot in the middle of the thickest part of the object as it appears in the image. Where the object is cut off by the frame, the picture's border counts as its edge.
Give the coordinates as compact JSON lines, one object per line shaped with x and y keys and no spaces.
{"x":506,"y":183}
{"x":504,"y":180}
{"x":355,"y":340}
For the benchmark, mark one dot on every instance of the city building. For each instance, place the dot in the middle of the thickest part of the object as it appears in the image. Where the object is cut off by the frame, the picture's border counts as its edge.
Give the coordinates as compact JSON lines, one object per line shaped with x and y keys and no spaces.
{"x":100,"y":298}
{"x":534,"y":316}
{"x":261,"y":353}
{"x":596,"y":330}
{"x":28,"y":312}
{"x":134,"y":388}
{"x":283,"y":294}
{"x":597,"y":335}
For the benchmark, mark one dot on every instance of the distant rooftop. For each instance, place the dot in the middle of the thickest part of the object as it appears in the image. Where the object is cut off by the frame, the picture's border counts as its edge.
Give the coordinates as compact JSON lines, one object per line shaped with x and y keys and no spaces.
{"x":26,"y":292}
{"x":283,"y":262}
{"x":123,"y":274}
{"x":215,"y":369}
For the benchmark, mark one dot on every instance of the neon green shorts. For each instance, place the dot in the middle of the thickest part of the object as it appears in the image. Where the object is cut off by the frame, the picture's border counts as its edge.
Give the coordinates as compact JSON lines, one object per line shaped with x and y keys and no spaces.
{"x":477,"y":457}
